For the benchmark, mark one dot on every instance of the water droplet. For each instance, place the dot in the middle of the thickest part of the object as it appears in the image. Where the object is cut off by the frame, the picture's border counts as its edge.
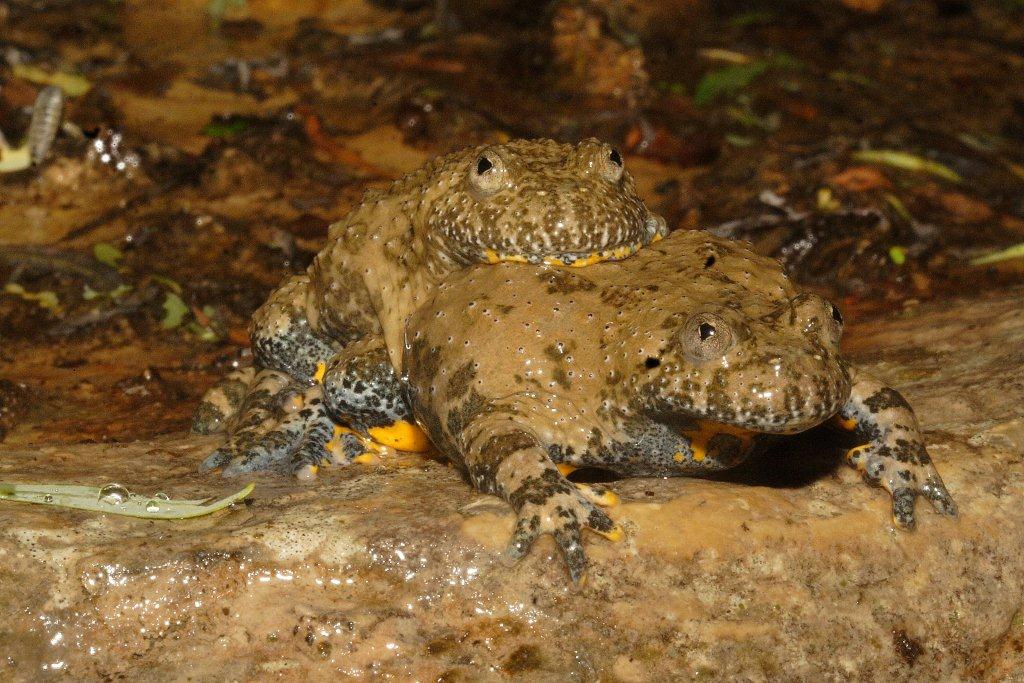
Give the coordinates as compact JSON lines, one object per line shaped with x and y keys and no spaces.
{"x":152,"y":506}
{"x":160,"y":495}
{"x":47,"y":498}
{"x":114,"y":494}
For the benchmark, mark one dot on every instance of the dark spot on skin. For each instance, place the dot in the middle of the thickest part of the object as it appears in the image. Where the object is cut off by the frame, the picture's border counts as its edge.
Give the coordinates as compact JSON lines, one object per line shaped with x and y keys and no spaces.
{"x":563,"y":282}
{"x":709,"y":262}
{"x":460,"y":380}
{"x":651,"y":362}
{"x":537,"y":490}
{"x":907,"y":648}
{"x":559,"y":376}
{"x":501,"y":446}
{"x":886,"y":398}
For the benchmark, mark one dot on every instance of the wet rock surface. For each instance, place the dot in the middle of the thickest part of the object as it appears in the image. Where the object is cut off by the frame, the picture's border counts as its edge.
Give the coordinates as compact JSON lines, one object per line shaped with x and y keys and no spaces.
{"x":394,"y":571}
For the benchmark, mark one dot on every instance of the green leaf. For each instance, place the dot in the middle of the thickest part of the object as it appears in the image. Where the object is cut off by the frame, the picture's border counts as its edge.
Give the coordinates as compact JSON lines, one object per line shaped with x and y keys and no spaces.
{"x":116,"y":500}
{"x":908,"y":162}
{"x":167,"y":282}
{"x":73,"y":85}
{"x":225,"y":129}
{"x":44,"y":299}
{"x":175,"y":311}
{"x":738,"y":140}
{"x":727,"y":81}
{"x":14,"y":160}
{"x":898,"y":255}
{"x":206,"y":334}
{"x":1016,"y":251}
{"x":107,"y":254}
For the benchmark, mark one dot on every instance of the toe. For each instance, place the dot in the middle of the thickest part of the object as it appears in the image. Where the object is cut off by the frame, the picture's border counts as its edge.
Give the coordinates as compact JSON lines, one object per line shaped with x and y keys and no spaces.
{"x":903,"y":508}
{"x":934,"y":491}
{"x":599,"y":495}
{"x":216,"y":459}
{"x":523,"y":537}
{"x":568,"y":539}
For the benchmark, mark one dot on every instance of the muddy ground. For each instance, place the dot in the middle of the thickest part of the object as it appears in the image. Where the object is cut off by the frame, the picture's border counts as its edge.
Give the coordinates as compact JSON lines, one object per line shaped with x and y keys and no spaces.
{"x":206,"y":147}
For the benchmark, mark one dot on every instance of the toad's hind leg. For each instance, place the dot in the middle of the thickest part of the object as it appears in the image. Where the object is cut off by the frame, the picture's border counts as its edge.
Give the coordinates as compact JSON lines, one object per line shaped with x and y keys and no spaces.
{"x":894,"y":455}
{"x":263,"y":406}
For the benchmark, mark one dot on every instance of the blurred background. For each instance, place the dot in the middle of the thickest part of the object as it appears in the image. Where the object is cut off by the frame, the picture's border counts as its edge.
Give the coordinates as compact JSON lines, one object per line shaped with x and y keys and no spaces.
{"x":165,"y":164}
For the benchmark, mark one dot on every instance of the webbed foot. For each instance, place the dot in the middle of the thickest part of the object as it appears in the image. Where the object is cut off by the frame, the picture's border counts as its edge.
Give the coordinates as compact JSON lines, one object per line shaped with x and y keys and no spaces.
{"x":905,"y":470}
{"x":894,"y":455}
{"x":559,"y":508}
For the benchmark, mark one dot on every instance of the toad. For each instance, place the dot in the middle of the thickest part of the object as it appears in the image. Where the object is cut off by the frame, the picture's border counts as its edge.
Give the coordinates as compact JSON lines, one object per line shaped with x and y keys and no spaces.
{"x":684,"y":359}
{"x":327,"y":344}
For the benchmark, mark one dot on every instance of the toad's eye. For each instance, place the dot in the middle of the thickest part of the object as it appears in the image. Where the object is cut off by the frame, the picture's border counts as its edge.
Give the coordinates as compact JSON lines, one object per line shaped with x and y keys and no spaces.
{"x":706,"y":336}
{"x":488,"y":174}
{"x":836,"y":315}
{"x":615,"y":157}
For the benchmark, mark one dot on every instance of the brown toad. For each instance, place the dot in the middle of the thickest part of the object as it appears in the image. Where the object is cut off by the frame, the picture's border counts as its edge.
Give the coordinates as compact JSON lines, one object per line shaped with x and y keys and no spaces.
{"x":327,"y":344}
{"x":681,"y":360}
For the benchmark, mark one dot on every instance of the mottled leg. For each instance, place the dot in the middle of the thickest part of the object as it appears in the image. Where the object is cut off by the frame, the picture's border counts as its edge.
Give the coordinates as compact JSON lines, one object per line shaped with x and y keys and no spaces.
{"x":282,"y":409}
{"x":221,"y":403}
{"x":260,"y":411}
{"x":894,"y":455}
{"x":363,"y":391}
{"x":502,"y":459}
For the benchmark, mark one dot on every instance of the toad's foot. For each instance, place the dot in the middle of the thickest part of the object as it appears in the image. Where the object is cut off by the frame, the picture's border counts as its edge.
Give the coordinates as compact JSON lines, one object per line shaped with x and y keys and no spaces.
{"x":902,"y":467}
{"x":556,"y":506}
{"x":894,"y":456}
{"x":284,"y":435}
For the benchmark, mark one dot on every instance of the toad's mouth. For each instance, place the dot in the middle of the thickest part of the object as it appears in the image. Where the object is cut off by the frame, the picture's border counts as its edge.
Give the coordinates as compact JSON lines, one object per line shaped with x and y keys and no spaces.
{"x":655,"y":230}
{"x":572,"y":259}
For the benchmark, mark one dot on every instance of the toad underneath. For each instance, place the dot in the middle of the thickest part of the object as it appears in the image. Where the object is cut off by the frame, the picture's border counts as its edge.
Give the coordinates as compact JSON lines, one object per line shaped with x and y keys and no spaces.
{"x":682,"y":360}
{"x":327,"y":344}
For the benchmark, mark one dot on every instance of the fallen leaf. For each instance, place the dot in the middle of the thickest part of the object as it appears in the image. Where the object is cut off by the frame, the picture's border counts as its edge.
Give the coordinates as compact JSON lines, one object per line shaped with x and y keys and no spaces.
{"x":860,"y":179}
{"x":868,"y":6}
{"x":72,"y":84}
{"x":13,"y":160}
{"x":727,"y":81}
{"x":907,"y":162}
{"x":106,"y":254}
{"x":1016,"y":251}
{"x":174,"y":311}
{"x":966,"y":209}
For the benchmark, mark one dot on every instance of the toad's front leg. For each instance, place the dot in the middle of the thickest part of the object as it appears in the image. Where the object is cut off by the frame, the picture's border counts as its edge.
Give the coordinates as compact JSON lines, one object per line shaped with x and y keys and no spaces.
{"x":894,"y":455}
{"x":506,"y":460}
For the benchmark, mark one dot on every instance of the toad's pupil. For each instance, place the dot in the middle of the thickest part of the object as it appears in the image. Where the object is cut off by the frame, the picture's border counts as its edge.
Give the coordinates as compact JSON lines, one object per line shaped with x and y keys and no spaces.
{"x":837,"y":316}
{"x":483,"y":165}
{"x":615,"y":157}
{"x":706,"y":330}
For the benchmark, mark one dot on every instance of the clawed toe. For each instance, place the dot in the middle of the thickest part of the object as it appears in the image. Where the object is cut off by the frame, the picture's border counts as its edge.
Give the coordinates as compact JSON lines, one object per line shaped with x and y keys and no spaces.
{"x":563,"y":515}
{"x":903,"y":479}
